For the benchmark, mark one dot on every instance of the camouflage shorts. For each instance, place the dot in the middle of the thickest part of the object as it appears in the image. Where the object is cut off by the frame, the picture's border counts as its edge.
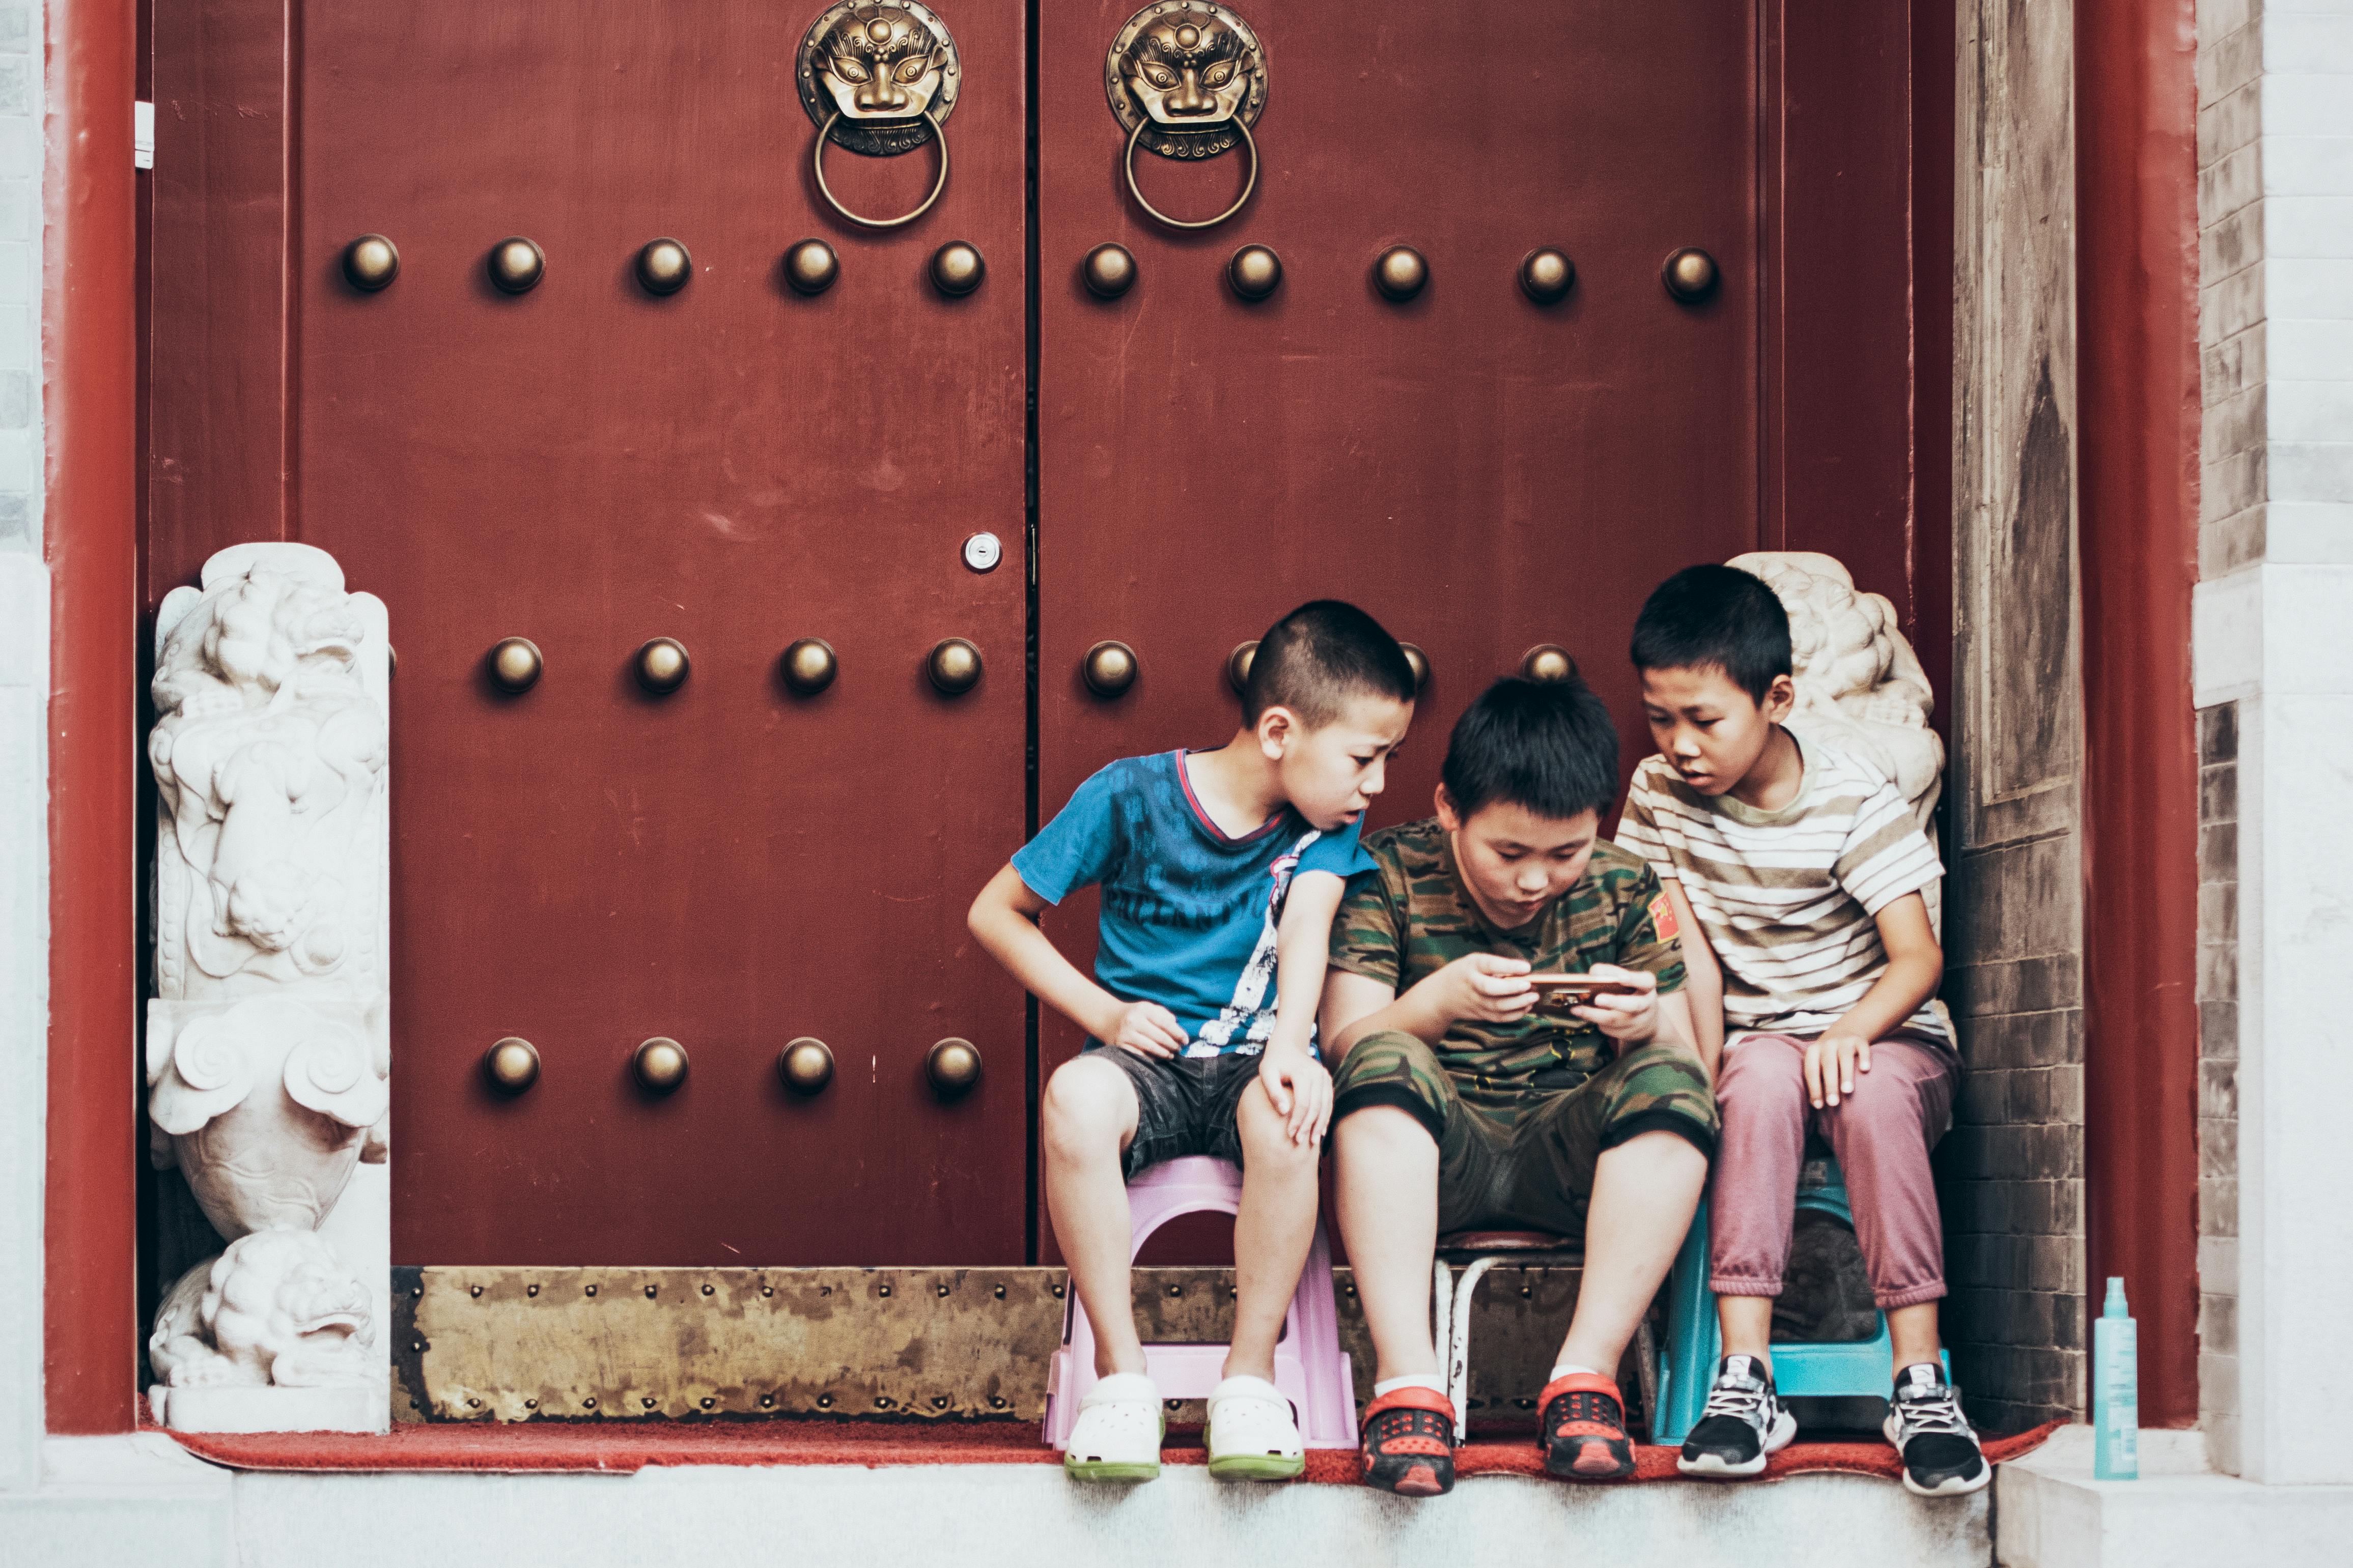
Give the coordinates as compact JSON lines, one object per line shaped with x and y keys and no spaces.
{"x":1534,"y":1170}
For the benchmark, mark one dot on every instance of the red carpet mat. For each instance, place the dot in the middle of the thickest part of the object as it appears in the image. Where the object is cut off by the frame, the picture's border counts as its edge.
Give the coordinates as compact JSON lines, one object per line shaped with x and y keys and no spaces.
{"x":622,"y":1448}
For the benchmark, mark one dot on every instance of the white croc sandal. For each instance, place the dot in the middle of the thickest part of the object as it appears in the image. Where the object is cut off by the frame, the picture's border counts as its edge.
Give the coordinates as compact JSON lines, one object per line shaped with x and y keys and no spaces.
{"x":1253,"y":1436}
{"x":1117,"y":1434}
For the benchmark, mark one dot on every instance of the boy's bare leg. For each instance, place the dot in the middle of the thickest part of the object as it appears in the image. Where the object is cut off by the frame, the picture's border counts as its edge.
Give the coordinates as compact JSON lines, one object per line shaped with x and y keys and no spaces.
{"x":1914,"y":1330}
{"x":1272,"y":1233}
{"x":1645,"y":1192}
{"x":1747,"y":1325}
{"x":1085,"y":1119}
{"x":1387,"y":1194}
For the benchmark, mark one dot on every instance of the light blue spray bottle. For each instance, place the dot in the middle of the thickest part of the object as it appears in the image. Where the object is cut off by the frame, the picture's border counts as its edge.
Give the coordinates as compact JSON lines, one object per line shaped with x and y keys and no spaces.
{"x":2116,"y":1391}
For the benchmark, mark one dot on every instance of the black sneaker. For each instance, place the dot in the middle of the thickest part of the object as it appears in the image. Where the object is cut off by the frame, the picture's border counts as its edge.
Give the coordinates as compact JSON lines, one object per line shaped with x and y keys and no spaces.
{"x":1941,"y":1457}
{"x":1743,"y":1426}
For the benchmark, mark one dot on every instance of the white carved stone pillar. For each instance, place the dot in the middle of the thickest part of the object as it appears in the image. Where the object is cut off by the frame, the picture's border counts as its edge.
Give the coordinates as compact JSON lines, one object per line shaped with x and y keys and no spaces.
{"x":269,"y":1041}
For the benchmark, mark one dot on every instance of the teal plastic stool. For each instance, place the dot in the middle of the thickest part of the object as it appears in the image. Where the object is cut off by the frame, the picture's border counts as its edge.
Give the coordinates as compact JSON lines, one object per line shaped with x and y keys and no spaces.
{"x":1693,"y":1343}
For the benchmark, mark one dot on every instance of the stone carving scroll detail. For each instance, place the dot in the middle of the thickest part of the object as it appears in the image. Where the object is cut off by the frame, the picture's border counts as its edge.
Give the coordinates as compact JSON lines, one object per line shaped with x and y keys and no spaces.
{"x":269,"y":1041}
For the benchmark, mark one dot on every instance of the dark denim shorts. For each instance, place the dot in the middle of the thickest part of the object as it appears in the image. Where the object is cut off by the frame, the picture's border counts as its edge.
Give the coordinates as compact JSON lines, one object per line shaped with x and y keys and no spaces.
{"x":1183,"y":1105}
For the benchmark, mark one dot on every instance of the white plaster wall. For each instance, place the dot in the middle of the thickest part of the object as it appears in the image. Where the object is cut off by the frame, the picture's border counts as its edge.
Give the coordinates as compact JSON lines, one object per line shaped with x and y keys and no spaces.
{"x":23,"y":755}
{"x":129,"y":1502}
{"x":23,"y":1001}
{"x":2276,"y":548}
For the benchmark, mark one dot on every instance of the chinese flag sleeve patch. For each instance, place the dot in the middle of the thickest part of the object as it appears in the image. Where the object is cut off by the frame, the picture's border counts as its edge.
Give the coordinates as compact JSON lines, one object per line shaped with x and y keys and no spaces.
{"x":1662,"y":917}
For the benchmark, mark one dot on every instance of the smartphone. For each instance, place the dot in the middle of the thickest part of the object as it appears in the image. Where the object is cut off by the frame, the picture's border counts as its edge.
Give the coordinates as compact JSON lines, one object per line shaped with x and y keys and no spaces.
{"x":1559,"y":992}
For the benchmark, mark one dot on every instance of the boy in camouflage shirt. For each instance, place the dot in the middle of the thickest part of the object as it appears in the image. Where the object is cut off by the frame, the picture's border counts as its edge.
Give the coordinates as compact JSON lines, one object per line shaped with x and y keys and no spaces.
{"x":1459,"y":1106}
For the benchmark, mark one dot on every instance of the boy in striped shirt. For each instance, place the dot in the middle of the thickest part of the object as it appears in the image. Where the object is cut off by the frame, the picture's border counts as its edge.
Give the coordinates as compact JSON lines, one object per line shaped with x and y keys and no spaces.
{"x":1801,"y":868}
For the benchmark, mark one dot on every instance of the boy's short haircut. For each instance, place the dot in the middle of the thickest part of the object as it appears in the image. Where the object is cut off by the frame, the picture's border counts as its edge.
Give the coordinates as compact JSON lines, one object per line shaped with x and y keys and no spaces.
{"x":1549,"y":747}
{"x":1319,"y":656}
{"x":1715,"y":617}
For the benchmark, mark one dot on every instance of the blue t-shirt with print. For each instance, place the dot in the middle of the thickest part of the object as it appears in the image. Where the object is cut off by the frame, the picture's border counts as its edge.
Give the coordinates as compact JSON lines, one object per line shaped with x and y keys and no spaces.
{"x":1189,"y":914}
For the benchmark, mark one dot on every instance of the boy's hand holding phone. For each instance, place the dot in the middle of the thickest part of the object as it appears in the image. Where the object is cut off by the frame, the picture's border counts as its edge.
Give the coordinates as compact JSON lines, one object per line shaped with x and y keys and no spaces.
{"x":1624,"y":1006}
{"x":1481,"y":985}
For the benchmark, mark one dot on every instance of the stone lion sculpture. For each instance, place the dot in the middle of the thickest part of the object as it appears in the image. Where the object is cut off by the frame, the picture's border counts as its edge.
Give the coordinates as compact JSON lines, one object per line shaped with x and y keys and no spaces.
{"x":268,"y":756}
{"x":279,"y":1307}
{"x":266,"y":1107}
{"x":269,"y":1051}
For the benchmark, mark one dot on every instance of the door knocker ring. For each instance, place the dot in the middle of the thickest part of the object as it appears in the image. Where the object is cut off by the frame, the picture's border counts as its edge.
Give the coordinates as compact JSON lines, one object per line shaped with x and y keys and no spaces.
{"x":1188,"y":79}
{"x":1249,"y":185}
{"x":881,"y":78}
{"x":817,"y":166}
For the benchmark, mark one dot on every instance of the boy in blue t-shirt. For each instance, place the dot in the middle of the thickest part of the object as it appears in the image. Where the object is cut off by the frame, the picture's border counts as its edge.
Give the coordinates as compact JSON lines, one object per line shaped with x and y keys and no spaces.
{"x":1220,"y":873}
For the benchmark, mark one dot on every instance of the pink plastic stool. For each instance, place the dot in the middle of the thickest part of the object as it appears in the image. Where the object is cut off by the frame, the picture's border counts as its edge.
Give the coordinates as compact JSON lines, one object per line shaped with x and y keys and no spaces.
{"x":1310,"y":1368}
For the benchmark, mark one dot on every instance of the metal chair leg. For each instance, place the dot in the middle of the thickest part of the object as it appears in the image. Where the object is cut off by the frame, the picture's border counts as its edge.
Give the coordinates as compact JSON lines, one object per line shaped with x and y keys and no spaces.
{"x":1442,"y":1308}
{"x":1458,"y":1359}
{"x":1646,"y":1375}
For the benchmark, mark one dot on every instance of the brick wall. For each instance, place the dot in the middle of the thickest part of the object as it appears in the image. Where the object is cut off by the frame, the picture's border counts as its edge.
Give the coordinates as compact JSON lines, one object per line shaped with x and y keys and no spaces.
{"x":2218,"y":1085}
{"x":2231,"y":284}
{"x":2232,"y":484}
{"x":2011,"y":1171}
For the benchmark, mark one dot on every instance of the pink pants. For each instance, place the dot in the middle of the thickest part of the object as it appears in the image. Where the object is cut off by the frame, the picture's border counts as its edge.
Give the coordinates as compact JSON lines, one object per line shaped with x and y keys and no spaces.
{"x":1881,"y":1134}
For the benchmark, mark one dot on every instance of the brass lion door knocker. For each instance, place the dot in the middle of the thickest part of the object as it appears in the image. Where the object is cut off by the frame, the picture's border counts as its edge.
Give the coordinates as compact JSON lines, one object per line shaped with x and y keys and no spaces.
{"x":1188,"y":80}
{"x":881,"y":80}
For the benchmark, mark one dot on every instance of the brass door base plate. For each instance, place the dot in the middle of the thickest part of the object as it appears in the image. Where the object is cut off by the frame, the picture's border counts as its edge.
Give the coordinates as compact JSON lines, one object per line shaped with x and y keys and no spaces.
{"x":530,"y":1344}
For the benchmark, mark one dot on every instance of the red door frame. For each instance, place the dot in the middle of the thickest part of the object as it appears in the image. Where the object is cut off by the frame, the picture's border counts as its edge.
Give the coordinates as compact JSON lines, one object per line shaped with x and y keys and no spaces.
{"x":89,"y":376}
{"x":2137,"y":406}
{"x":2138,"y":413}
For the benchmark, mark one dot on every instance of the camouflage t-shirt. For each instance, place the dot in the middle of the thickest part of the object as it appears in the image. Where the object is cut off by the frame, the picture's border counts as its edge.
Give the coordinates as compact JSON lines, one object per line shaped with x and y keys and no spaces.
{"x":1411,"y":916}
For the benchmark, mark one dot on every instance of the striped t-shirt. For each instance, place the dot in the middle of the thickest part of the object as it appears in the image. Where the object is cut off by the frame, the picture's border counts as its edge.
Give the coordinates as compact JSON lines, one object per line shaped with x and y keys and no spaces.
{"x":1786,"y":898}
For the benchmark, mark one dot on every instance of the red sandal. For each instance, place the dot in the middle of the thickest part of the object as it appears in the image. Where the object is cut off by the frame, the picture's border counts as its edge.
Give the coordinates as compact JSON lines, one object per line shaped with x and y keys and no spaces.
{"x":1409,"y":1443}
{"x":1583,"y":1433}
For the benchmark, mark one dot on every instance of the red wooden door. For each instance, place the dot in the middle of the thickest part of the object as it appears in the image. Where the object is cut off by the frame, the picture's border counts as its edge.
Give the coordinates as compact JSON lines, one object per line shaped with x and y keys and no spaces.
{"x":736,"y":466}
{"x":1482,"y":473}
